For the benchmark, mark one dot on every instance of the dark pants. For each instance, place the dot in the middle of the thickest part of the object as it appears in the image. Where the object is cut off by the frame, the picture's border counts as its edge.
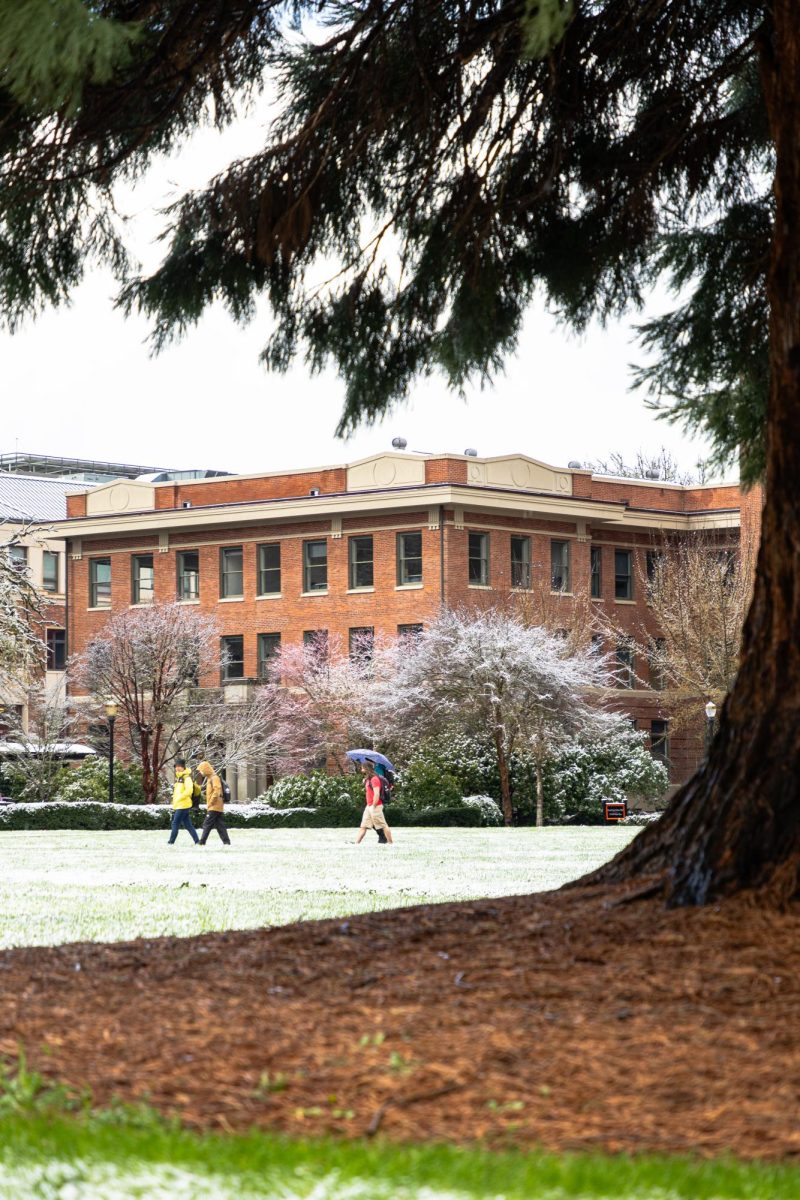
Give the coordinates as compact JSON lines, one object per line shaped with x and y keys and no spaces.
{"x":182,"y":819}
{"x":214,"y":820}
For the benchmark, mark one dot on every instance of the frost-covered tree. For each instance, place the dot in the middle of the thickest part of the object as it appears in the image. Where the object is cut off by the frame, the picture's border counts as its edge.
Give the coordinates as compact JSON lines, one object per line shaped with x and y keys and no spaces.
{"x":148,"y":660}
{"x":21,"y":644}
{"x":487,"y":672}
{"x":37,"y":769}
{"x":330,"y":691}
{"x":660,"y":466}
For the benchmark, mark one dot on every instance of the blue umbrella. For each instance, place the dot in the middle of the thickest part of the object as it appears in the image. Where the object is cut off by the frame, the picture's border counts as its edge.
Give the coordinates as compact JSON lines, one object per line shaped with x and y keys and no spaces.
{"x":370,"y":756}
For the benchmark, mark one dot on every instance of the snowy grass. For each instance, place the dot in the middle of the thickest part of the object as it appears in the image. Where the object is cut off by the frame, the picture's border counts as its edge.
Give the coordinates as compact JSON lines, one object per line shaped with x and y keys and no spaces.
{"x":72,"y":885}
{"x":91,"y":1159}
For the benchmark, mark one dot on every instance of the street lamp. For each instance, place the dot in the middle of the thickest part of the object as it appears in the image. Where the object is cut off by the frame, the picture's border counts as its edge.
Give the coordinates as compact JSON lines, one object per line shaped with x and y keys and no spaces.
{"x":711,"y":712}
{"x":111,"y":716}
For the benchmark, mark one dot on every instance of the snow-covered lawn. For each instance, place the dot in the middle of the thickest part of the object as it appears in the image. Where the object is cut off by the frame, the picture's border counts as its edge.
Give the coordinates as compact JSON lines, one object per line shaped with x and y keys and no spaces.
{"x":77,"y":886}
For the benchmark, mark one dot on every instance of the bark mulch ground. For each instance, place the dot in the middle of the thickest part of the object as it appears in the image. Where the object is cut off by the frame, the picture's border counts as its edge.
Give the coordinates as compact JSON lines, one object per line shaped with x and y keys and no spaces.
{"x":571,"y":1020}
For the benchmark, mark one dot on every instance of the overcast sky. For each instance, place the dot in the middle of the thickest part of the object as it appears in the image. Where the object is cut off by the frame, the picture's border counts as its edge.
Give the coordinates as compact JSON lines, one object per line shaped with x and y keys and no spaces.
{"x":81,"y":381}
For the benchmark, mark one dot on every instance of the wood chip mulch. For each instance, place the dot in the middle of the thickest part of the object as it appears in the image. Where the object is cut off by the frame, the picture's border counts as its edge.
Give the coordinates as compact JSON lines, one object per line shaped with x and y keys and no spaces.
{"x":569,"y":1020}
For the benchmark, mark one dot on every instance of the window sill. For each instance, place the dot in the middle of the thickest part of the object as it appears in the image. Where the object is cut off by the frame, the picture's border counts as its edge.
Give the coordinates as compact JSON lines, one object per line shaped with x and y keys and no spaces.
{"x":269,"y":596}
{"x":480,"y":587}
{"x":321,"y":592}
{"x":99,"y":608}
{"x":356,"y":591}
{"x":231,"y":599}
{"x":187,"y":601}
{"x":409,"y":587}
{"x":616,"y":601}
{"x":142,"y":604}
{"x":560,"y":592}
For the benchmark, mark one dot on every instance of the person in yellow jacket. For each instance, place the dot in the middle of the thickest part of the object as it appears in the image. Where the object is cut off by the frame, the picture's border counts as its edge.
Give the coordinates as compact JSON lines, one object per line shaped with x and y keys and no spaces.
{"x":182,"y":802}
{"x":215,"y":804}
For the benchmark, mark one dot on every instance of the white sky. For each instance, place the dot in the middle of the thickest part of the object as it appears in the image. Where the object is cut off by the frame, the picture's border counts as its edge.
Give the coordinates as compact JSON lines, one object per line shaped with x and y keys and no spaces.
{"x":81,"y":381}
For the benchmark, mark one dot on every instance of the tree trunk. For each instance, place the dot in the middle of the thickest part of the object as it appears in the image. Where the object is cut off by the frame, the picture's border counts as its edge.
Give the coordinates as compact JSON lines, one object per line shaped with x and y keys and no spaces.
{"x":505,"y":782}
{"x":736,"y":824}
{"x":539,"y":795}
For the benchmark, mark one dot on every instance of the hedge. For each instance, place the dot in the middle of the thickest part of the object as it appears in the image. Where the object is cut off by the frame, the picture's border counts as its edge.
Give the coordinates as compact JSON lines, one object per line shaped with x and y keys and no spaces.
{"x":97,"y":815}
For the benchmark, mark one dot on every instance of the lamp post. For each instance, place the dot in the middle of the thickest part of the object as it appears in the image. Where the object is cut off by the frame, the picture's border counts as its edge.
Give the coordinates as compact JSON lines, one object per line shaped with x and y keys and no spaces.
{"x":711,"y":712}
{"x":111,"y":716}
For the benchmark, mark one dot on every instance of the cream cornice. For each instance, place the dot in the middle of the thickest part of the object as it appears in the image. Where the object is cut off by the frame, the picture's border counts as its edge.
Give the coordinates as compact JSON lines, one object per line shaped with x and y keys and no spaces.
{"x":472,"y":499}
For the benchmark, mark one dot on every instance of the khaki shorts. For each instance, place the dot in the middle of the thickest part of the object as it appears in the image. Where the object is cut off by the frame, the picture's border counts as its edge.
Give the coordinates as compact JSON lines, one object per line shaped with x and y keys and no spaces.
{"x":373,"y":817}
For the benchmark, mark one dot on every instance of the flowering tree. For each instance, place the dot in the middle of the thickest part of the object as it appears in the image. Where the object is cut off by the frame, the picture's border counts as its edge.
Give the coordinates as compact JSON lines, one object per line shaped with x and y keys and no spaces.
{"x":489,"y":672}
{"x":271,"y":731}
{"x":329,"y":692}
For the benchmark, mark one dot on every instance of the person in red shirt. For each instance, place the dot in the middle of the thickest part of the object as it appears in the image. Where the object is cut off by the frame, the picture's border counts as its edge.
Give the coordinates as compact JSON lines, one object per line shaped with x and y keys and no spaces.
{"x":374,"y":817}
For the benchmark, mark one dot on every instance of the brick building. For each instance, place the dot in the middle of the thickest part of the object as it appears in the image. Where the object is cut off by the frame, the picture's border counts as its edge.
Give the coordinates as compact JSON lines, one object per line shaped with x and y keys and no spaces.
{"x":378,"y":545}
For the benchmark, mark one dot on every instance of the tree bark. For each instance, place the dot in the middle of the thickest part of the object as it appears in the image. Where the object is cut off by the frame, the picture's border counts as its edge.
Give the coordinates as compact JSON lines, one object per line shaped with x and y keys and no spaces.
{"x":539,"y":796}
{"x":505,"y":782}
{"x":736,"y":824}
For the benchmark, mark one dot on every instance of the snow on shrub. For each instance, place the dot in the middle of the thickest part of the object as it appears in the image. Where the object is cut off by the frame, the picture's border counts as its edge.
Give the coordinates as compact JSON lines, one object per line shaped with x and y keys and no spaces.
{"x":315,"y":790}
{"x":488,"y":808}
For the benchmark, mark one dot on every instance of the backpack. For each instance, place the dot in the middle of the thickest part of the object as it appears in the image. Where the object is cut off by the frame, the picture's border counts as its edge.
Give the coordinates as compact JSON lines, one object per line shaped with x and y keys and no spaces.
{"x":226,"y":792}
{"x":387,"y":784}
{"x":196,"y":794}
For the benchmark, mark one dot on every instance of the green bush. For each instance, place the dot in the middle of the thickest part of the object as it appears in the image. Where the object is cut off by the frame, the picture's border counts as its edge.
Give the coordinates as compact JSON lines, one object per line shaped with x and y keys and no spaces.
{"x":89,"y":781}
{"x":316,"y":790}
{"x":613,"y":766}
{"x":100,"y":815}
{"x":423,"y":784}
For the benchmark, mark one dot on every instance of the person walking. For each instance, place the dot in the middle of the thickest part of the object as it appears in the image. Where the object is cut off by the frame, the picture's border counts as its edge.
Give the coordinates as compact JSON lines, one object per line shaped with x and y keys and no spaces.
{"x":182,"y":794}
{"x":215,"y":804}
{"x":374,"y":817}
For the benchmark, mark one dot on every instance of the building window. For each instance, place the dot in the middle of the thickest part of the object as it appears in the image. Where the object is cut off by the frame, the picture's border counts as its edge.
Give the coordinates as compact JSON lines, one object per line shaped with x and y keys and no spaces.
{"x":623,"y":574}
{"x":409,"y":631}
{"x":409,"y":558}
{"x":269,"y":569}
{"x":315,"y":566}
{"x":50,"y":570}
{"x":99,"y":582}
{"x":597,"y":644}
{"x":361,"y":643}
{"x":520,"y":562}
{"x":362,"y":573}
{"x":659,"y":741}
{"x":596,"y":557}
{"x":268,"y":646}
{"x":559,"y":567}
{"x":232,"y":655}
{"x":188,"y":562}
{"x":478,"y":559}
{"x":142,"y":579}
{"x":316,"y":642}
{"x":231,"y":572}
{"x":19,"y":557}
{"x":625,"y":664}
{"x":56,"y":650}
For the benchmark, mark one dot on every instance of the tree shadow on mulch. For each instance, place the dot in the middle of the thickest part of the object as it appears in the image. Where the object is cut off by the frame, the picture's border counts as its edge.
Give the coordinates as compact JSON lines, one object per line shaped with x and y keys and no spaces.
{"x":570,"y":1020}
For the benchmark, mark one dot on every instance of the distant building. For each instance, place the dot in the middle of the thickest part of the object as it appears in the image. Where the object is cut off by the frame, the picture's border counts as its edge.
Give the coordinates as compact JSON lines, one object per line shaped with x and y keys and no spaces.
{"x":376,"y":546}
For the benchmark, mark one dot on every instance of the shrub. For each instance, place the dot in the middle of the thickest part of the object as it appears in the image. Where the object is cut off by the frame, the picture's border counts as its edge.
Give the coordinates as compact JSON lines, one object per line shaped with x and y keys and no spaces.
{"x":614,"y":766}
{"x":423,"y":784}
{"x":316,"y":790}
{"x":89,"y":781}
{"x":488,"y":809}
{"x":100,"y":815}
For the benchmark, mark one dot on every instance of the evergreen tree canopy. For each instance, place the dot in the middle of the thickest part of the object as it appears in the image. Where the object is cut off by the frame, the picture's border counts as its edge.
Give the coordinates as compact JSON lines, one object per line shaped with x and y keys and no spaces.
{"x":435,"y":164}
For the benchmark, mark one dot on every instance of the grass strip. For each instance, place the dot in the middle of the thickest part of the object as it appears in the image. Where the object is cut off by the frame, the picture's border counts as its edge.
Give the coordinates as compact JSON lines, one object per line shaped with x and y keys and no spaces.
{"x":125,"y":1153}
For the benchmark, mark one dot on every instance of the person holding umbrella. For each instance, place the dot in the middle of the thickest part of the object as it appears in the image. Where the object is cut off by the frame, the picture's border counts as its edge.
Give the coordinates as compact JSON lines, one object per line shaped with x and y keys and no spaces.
{"x":374,"y":816}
